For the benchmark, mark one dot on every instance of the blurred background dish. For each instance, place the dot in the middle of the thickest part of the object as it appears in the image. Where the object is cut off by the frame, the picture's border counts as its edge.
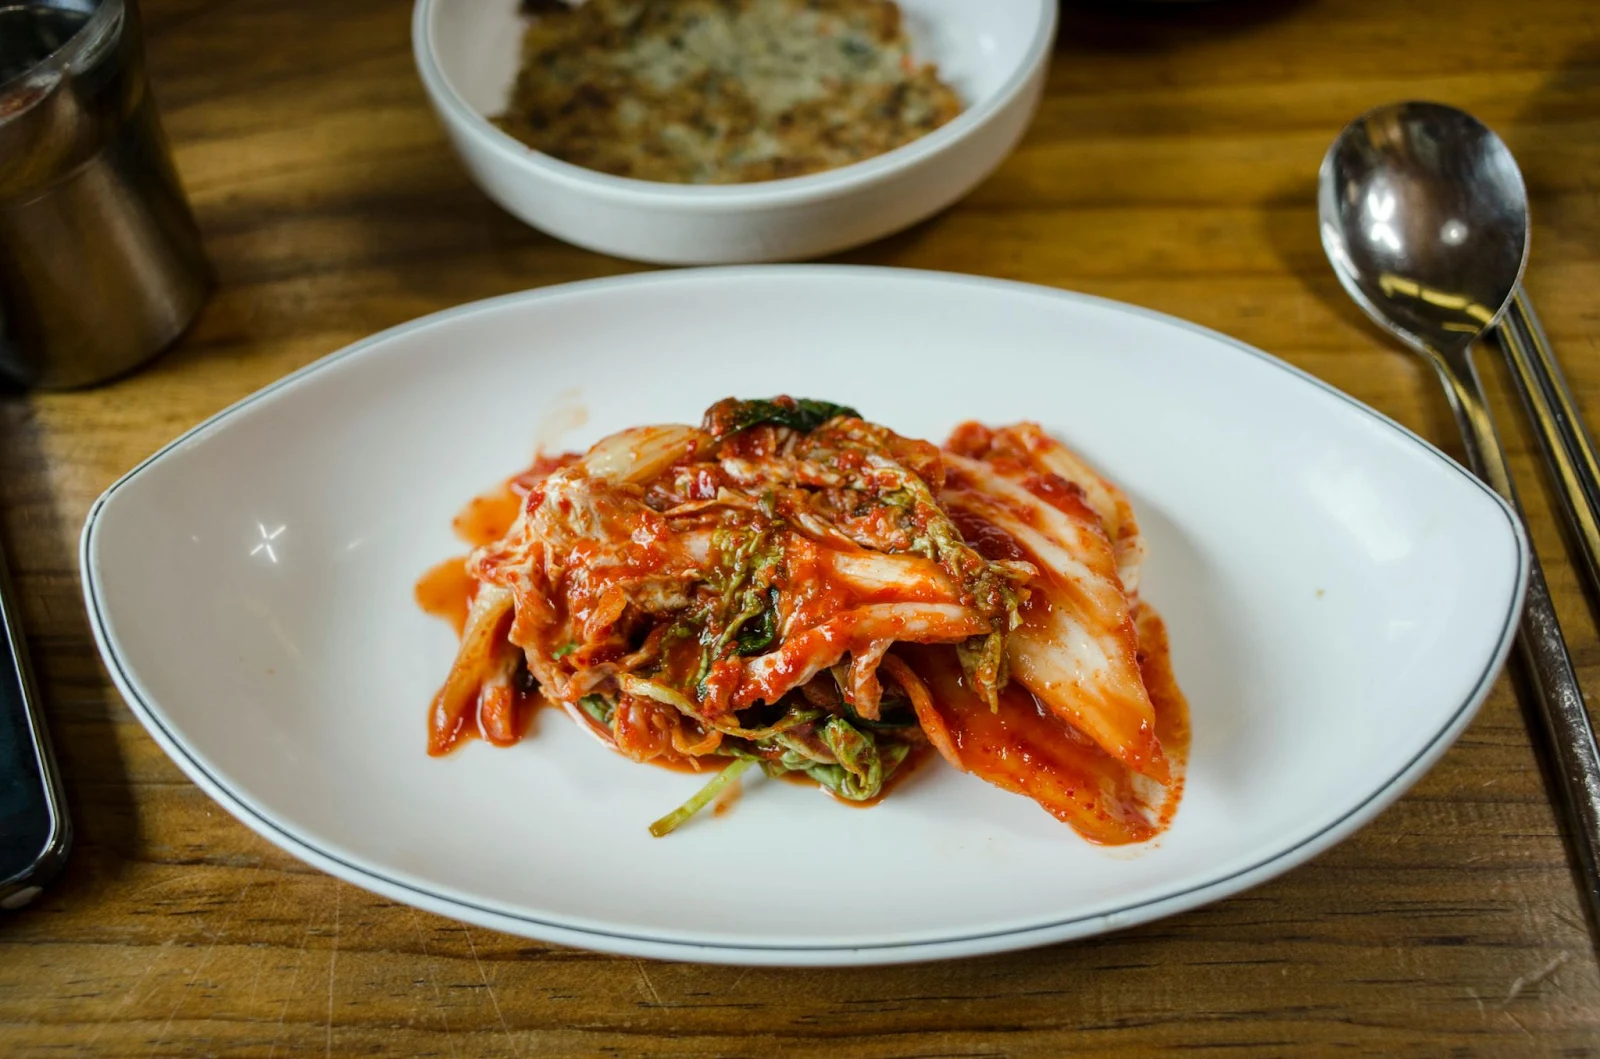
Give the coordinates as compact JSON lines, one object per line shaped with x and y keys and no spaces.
{"x":994,"y":55}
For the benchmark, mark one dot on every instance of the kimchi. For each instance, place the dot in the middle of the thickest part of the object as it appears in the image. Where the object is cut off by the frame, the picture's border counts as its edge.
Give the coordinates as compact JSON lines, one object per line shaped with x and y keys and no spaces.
{"x":790,"y":587}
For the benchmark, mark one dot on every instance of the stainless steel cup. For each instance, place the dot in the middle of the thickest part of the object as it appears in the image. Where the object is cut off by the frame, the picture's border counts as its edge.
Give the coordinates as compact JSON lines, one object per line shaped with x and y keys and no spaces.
{"x":100,"y":261}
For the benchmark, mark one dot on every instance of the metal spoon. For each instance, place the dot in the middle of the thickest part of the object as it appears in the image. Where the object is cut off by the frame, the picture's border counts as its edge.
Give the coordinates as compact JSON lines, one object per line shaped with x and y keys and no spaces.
{"x":1424,"y":219}
{"x":1568,"y":450}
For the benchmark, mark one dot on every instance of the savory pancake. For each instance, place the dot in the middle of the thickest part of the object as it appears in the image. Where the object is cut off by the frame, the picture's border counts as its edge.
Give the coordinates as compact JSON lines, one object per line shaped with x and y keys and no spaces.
{"x":721,"y":91}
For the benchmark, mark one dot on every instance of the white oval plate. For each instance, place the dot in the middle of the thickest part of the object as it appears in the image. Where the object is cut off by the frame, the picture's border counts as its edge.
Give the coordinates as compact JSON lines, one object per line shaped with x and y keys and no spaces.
{"x":1340,"y":597}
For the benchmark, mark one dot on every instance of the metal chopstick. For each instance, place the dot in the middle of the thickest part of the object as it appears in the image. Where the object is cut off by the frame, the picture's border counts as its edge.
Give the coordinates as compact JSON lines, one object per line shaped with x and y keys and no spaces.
{"x":1564,"y":441}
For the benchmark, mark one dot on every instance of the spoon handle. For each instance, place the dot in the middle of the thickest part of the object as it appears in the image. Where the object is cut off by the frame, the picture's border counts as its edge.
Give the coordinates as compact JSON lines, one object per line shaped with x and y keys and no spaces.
{"x":1561,"y":713}
{"x":1568,"y":450}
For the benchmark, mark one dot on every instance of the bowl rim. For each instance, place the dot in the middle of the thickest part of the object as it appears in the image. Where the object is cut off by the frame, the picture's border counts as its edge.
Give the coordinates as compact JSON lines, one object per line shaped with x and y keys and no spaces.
{"x":786,"y":191}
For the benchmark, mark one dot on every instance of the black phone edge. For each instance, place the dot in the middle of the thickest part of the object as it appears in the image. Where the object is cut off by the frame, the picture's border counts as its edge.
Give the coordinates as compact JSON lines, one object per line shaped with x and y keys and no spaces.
{"x":21,"y":888}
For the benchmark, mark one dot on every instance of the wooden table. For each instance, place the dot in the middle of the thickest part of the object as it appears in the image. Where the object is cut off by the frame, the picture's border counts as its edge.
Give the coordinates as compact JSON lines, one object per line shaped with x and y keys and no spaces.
{"x":1173,"y":166}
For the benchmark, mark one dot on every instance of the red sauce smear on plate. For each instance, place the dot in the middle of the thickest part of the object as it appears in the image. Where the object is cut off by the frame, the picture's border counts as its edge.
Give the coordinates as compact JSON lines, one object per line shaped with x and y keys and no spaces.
{"x":445,"y":591}
{"x":487,"y":518}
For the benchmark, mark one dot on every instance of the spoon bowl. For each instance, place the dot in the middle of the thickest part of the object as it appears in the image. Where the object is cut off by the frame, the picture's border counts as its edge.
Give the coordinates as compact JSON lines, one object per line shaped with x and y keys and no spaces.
{"x":1424,"y":217}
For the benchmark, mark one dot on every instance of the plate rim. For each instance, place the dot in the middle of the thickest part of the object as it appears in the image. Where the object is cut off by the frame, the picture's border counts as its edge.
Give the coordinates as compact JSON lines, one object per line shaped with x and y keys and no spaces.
{"x":625,"y":942}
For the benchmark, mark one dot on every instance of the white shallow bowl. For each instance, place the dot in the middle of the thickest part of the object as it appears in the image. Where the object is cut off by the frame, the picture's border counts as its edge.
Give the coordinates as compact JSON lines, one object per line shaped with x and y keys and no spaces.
{"x":994,"y":53}
{"x":1340,"y":596}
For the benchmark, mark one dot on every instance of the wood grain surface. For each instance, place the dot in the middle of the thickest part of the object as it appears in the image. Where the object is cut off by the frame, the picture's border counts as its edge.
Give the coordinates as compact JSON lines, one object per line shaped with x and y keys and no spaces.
{"x":1173,"y":166}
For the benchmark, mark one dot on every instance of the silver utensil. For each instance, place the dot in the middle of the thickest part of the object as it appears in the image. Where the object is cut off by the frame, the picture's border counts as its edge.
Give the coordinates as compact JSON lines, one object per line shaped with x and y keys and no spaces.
{"x":1424,"y":219}
{"x":1568,"y":450}
{"x":1564,"y":441}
